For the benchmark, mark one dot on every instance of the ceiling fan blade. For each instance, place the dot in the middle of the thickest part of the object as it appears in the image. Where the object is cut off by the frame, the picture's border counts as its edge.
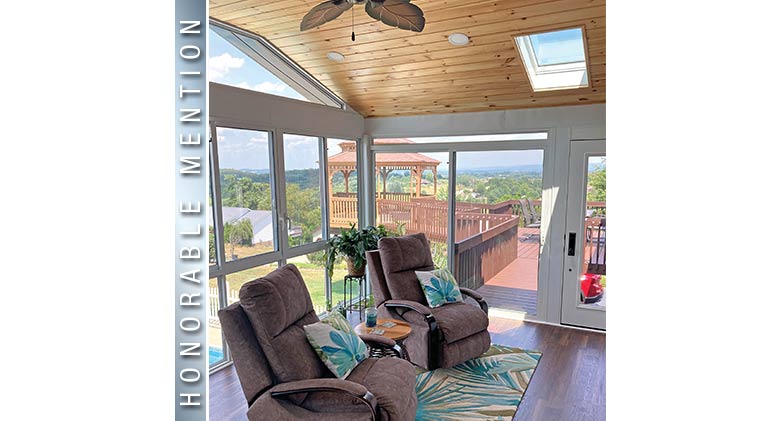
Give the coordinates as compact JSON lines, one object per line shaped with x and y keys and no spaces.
{"x":397,"y":13}
{"x":324,"y":12}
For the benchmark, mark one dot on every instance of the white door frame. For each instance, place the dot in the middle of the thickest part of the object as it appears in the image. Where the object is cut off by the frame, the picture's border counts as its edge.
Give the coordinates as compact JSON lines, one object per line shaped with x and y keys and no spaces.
{"x":572,"y":312}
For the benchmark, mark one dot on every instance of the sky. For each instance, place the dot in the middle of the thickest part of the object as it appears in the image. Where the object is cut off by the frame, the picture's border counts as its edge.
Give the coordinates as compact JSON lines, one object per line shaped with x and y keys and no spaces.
{"x":558,"y":46}
{"x":230,"y":66}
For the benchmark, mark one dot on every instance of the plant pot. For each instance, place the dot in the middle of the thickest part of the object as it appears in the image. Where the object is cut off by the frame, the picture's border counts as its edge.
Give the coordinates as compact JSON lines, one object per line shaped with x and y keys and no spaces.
{"x":352,"y":270}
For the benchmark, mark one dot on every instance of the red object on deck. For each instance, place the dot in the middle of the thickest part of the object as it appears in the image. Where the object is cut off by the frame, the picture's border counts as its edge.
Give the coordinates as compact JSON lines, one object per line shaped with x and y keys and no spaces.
{"x":590,"y":286}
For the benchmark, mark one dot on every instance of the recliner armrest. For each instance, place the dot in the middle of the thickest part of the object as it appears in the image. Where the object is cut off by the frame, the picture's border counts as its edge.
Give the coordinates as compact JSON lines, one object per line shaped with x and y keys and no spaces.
{"x":378,"y":341}
{"x":330,"y":385}
{"x":475,"y":295}
{"x":412,"y":305}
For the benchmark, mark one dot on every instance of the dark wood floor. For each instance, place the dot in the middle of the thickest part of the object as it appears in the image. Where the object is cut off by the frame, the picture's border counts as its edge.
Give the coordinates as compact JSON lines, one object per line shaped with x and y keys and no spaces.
{"x":505,"y":298}
{"x":569,"y":384}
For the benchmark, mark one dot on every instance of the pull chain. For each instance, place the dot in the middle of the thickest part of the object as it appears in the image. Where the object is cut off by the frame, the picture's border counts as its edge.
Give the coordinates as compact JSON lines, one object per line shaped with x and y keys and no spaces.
{"x":353,"y":24}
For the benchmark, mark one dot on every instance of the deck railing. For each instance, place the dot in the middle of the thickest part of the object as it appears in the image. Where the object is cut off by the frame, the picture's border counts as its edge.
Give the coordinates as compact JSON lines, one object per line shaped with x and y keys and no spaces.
{"x":481,"y":256}
{"x":485,"y":234}
{"x":595,"y":246}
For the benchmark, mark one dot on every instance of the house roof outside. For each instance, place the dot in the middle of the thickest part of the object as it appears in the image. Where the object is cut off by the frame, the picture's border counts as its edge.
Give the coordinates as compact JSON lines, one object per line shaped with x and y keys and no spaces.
{"x":262,"y":221}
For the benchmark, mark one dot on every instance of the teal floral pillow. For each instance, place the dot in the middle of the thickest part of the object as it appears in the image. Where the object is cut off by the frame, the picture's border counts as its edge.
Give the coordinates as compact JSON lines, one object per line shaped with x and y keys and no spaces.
{"x":337,"y":344}
{"x":440,"y":287}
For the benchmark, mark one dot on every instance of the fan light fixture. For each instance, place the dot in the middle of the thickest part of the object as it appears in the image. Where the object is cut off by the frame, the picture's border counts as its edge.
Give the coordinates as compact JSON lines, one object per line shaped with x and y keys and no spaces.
{"x":458,"y":39}
{"x":336,"y":56}
{"x":400,"y":14}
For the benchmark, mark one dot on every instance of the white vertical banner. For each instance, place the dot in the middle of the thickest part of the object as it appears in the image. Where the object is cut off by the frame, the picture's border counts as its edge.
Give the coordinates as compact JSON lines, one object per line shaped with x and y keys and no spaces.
{"x":191,"y":205}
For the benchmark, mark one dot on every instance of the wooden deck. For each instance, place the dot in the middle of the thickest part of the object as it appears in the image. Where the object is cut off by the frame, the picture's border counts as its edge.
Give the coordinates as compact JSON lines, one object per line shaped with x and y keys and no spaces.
{"x":514,"y":288}
{"x":569,"y":384}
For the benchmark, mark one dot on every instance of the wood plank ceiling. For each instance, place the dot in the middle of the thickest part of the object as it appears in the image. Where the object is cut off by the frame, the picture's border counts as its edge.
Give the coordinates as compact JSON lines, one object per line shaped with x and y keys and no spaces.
{"x":389,"y":72}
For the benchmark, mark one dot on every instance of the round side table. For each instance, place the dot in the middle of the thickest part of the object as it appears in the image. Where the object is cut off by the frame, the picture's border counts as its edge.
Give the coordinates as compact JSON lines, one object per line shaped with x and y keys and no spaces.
{"x":398,"y":333}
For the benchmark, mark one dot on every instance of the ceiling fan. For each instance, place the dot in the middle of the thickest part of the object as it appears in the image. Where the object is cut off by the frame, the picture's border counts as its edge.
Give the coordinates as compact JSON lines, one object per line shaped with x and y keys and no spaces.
{"x":396,"y":13}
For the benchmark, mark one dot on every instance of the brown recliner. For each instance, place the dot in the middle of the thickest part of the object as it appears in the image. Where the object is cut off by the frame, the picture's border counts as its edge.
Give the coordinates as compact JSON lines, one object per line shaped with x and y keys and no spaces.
{"x":441,"y":337}
{"x":284,"y":379}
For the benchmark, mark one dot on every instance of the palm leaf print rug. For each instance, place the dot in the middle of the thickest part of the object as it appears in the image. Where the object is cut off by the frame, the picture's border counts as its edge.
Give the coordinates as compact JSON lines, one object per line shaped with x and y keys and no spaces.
{"x":486,"y":388}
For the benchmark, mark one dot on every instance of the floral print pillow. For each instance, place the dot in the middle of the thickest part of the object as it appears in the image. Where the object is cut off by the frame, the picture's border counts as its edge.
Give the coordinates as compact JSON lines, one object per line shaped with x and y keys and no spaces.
{"x":337,"y":344}
{"x":440,"y":287}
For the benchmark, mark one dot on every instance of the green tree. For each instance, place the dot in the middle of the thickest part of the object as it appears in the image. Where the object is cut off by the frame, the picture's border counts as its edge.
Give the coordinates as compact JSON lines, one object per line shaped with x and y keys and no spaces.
{"x":597,"y":184}
{"x":303,"y":208}
{"x":240,"y":232}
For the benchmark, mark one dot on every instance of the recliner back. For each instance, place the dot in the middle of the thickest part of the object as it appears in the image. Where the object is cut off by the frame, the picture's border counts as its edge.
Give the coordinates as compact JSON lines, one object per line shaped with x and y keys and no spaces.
{"x":251,"y":365}
{"x":400,"y":258}
{"x":377,"y":278}
{"x":278,"y":306}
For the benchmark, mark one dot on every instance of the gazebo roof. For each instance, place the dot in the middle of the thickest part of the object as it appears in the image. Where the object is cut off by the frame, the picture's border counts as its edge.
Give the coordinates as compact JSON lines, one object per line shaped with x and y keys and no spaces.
{"x":348,"y":156}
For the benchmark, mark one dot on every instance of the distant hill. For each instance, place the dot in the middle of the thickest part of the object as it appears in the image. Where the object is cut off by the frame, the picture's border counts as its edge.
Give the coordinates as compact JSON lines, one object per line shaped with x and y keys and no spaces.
{"x":534,"y":169}
{"x":306,"y":179}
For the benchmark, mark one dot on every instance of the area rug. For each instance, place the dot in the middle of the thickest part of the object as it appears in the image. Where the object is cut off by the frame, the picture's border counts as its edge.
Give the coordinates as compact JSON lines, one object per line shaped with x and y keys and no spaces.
{"x":486,"y":388}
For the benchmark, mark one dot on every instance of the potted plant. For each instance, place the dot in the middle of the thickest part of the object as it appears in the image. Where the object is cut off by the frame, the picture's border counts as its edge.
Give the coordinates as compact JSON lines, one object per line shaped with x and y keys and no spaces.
{"x":352,"y":244}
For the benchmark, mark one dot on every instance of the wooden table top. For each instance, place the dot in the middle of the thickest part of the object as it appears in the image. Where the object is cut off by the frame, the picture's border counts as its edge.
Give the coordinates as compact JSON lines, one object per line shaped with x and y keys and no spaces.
{"x":400,"y":331}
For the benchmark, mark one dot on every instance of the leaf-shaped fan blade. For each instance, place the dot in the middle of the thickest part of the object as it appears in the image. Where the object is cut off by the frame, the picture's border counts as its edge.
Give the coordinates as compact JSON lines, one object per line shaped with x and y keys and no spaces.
{"x":397,"y":13}
{"x":324,"y":12}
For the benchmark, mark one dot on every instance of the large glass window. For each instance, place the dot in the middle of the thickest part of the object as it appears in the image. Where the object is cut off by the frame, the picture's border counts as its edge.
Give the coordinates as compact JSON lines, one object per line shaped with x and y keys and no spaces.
{"x":246,"y":191}
{"x":343,"y":183}
{"x":237,"y":279}
{"x":412,"y":194}
{"x":251,"y":190}
{"x":302,"y":169}
{"x":231,"y":66}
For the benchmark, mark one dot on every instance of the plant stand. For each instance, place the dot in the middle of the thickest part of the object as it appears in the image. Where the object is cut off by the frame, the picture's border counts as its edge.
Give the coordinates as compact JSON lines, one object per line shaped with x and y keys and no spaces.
{"x":361,"y":292}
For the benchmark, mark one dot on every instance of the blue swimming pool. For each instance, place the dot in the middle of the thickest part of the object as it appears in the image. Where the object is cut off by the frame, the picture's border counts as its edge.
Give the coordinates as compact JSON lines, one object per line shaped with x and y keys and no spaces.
{"x":215,"y":354}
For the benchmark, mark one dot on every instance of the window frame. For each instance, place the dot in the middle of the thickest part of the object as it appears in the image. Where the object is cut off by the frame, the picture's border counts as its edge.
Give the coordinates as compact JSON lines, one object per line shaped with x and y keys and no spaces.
{"x":277,"y":63}
{"x":537,"y":73}
{"x":284,"y":251}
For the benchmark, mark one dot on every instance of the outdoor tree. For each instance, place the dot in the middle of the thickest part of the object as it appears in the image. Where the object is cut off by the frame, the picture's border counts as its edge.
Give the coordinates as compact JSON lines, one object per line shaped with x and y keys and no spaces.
{"x":238,"y":233}
{"x":597,"y":184}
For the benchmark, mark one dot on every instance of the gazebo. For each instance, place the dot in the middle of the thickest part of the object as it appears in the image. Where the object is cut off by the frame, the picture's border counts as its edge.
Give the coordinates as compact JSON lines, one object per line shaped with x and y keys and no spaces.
{"x":345,"y":163}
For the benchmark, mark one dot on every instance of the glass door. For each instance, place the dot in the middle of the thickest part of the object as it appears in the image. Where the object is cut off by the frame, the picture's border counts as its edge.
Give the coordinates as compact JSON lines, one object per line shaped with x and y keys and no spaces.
{"x":498,"y":226}
{"x":483,"y":203}
{"x":585,"y":268}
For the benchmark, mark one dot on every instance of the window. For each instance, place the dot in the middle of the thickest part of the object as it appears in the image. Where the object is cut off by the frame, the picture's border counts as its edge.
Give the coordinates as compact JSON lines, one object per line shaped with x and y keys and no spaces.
{"x":555,"y":59}
{"x":302,"y":171}
{"x":230,"y":66}
{"x":273,"y":210}
{"x":245,"y":60}
{"x":559,"y":47}
{"x":245,"y":180}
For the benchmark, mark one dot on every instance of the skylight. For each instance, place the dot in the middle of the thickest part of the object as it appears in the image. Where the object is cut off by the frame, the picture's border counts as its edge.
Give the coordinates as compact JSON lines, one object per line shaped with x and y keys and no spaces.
{"x":554,"y":60}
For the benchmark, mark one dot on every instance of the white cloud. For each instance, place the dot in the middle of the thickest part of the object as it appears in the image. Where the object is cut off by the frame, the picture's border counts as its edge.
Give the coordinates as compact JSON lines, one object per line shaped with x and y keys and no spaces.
{"x":266,"y":87}
{"x":270,"y":87}
{"x":220,"y":65}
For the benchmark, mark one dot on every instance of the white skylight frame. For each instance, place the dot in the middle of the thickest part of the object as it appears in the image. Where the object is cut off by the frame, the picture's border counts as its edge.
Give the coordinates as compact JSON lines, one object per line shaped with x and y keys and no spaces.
{"x":552,"y":77}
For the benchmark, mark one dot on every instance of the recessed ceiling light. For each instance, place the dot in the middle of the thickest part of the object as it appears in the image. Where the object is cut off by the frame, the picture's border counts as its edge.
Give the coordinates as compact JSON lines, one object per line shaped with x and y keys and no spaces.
{"x":335,"y":56}
{"x":458,"y":39}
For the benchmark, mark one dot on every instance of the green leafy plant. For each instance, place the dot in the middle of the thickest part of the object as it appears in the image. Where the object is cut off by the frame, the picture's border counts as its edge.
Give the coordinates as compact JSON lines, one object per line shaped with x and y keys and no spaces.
{"x":353,"y":244}
{"x":370,"y":301}
{"x":240,"y":232}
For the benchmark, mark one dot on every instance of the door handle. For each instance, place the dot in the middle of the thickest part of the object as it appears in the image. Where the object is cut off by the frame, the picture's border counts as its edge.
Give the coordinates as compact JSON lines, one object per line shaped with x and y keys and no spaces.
{"x":572,"y":244}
